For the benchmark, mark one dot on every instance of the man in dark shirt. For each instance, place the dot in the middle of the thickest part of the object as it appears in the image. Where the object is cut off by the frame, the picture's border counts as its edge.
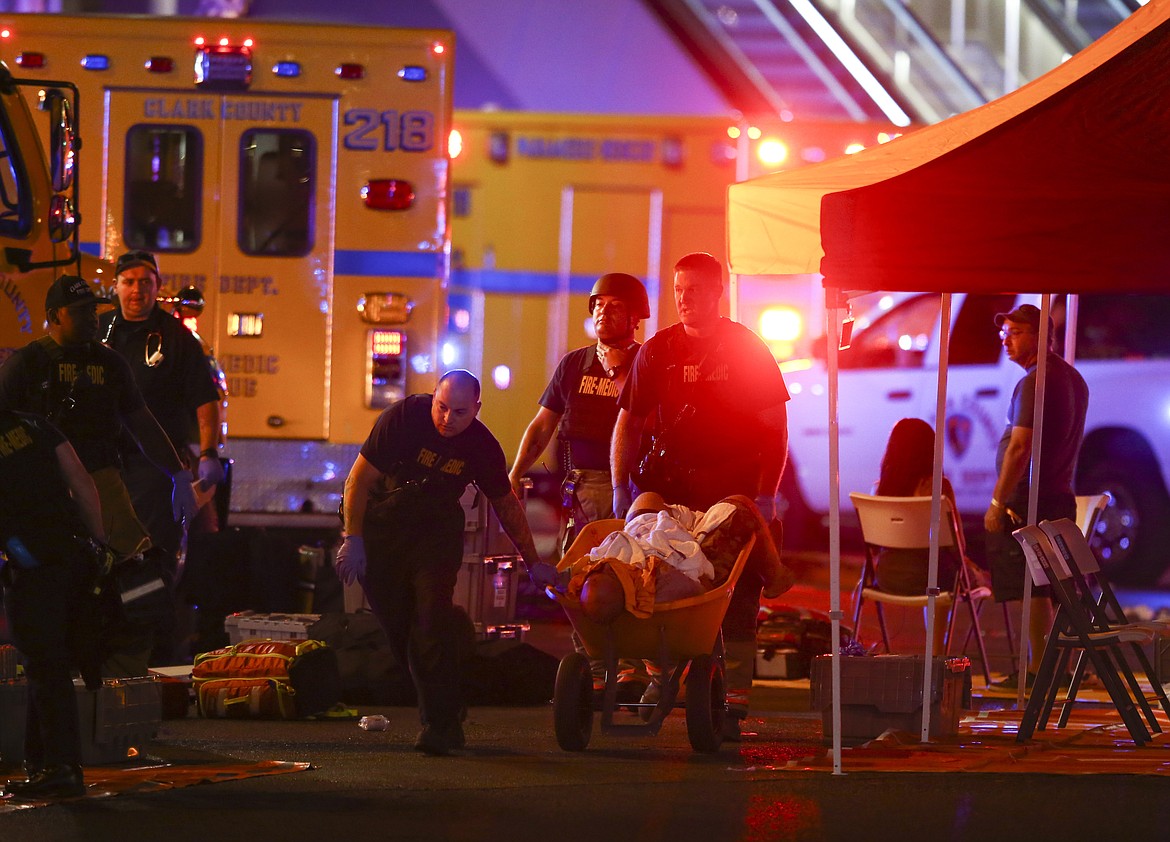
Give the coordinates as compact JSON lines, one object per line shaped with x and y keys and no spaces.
{"x":1066,"y":401}
{"x":175,"y":379}
{"x":48,"y":508}
{"x":580,"y":405}
{"x":89,"y":393}
{"x":403,"y":528}
{"x":717,"y":399}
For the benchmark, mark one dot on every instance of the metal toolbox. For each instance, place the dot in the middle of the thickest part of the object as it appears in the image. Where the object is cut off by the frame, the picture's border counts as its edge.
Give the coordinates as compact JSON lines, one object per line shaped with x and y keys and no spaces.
{"x":117,"y":720}
{"x":486,"y":589}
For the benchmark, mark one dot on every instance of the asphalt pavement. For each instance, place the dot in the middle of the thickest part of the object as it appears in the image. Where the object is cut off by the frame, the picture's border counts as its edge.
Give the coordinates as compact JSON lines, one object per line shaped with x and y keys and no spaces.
{"x":514,"y":783}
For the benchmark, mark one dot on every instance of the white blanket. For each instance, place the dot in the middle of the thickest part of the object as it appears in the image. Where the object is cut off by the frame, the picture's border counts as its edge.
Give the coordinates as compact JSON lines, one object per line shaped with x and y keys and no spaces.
{"x":673,"y":536}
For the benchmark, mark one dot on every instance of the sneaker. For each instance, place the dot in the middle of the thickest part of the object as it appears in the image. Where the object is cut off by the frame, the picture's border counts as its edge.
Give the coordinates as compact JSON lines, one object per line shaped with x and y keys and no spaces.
{"x":438,"y":741}
{"x":55,"y":782}
{"x":650,"y":696}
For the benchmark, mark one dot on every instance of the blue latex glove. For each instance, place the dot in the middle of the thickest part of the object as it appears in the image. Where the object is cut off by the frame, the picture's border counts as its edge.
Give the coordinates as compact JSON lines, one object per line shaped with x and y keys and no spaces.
{"x":210,"y":471}
{"x":621,"y":501}
{"x":350,"y":563}
{"x":543,"y":575}
{"x":183,"y":503}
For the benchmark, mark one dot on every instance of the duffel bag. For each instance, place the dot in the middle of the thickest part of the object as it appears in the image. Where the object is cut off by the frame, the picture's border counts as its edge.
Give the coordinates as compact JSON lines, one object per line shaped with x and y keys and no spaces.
{"x":288,"y":679}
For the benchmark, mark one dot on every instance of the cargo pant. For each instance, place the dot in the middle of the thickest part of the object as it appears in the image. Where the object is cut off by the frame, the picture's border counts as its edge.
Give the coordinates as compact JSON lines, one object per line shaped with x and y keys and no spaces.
{"x":413,"y":560}
{"x":42,"y":605}
{"x":592,"y":499}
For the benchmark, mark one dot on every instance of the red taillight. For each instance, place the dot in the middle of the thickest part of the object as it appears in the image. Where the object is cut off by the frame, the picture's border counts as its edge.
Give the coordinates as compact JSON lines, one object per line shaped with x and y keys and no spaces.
{"x":31,"y":60}
{"x":388,"y":194}
{"x":351,"y":71}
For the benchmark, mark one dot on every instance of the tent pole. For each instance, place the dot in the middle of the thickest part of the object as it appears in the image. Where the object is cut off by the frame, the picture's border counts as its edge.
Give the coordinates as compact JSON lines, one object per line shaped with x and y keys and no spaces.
{"x":835,"y":300}
{"x":1034,"y":475}
{"x":932,"y":590}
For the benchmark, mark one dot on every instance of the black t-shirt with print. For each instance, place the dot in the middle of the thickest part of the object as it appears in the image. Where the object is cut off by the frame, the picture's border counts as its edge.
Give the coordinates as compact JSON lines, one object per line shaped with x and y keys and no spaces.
{"x":84,"y":390}
{"x":427,"y":470}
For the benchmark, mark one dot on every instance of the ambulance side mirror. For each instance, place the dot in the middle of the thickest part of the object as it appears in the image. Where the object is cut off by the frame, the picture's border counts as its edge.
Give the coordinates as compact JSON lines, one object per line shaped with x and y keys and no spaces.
{"x":62,"y":141}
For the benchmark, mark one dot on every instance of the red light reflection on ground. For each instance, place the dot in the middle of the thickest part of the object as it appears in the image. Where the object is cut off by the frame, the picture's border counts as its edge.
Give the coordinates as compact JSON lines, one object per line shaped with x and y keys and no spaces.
{"x":786,"y":818}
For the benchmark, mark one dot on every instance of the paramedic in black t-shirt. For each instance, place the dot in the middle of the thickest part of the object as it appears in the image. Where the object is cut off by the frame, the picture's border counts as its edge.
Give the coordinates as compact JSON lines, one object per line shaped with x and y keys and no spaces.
{"x":403,"y":528}
{"x":717,"y":400}
{"x":48,"y":507}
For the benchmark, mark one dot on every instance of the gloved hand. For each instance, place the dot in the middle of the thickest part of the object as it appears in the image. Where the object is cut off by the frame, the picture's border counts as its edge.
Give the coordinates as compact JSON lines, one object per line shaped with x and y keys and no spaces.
{"x":183,"y":503}
{"x":621,"y":501}
{"x":766,"y":503}
{"x":350,"y":563}
{"x":210,"y":470}
{"x":543,"y":575}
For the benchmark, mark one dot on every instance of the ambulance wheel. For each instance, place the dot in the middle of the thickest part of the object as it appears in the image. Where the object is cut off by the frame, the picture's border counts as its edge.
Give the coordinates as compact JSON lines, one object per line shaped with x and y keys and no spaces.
{"x":573,"y":702}
{"x":706,"y":705}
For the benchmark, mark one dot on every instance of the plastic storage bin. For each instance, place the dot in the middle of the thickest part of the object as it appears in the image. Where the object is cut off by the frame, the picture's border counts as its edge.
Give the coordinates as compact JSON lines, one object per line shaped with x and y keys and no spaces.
{"x":885,"y":692}
{"x":248,"y":625}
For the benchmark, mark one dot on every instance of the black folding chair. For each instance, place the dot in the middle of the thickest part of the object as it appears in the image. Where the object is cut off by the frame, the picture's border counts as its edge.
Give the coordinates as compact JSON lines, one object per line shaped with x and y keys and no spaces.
{"x":1069,"y":543}
{"x":1077,"y":627}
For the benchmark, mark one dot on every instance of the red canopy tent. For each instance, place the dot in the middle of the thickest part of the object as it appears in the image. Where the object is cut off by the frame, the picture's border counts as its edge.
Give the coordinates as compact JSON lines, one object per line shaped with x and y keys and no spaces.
{"x":1061,"y":186}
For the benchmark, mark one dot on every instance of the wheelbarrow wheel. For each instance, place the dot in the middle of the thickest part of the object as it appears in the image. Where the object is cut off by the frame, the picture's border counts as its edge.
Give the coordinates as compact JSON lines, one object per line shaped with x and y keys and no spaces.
{"x":573,"y":702}
{"x":705,"y":704}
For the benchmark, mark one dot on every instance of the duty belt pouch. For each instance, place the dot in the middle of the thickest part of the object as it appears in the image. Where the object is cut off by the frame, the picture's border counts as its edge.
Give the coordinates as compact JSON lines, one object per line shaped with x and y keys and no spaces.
{"x":142,"y":590}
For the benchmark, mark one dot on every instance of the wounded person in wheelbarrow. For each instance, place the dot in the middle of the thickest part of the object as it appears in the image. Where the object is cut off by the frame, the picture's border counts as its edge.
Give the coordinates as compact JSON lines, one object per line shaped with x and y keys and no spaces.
{"x":669,"y":552}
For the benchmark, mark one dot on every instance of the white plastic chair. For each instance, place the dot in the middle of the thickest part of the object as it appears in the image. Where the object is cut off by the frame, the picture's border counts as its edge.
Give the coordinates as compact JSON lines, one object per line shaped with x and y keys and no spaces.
{"x":905,"y":523}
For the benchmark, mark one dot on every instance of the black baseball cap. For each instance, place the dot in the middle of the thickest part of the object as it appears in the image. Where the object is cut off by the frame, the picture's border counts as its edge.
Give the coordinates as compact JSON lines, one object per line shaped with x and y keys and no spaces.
{"x":136,"y":258}
{"x":1025,"y":314}
{"x":71,"y":289}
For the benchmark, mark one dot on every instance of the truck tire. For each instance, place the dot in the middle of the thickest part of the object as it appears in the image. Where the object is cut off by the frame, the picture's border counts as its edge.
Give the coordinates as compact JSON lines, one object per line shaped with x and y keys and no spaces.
{"x":1132,"y":531}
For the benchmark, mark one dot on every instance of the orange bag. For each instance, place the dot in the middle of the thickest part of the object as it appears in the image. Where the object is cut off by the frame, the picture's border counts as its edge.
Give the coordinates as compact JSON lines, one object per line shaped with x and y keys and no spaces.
{"x":270,"y":679}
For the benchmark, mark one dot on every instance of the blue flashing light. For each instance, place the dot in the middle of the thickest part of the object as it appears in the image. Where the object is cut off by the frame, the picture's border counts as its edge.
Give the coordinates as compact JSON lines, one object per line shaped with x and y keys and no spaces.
{"x":288,"y":69}
{"x":413,"y":73}
{"x":96,"y":61}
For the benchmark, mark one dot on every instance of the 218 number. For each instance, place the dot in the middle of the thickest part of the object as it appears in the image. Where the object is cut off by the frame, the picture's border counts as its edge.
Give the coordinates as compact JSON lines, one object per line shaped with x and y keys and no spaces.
{"x":410,"y":131}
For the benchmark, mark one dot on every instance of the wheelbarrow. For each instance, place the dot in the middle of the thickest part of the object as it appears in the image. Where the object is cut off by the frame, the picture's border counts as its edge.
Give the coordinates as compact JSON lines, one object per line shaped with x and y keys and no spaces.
{"x":683,"y":635}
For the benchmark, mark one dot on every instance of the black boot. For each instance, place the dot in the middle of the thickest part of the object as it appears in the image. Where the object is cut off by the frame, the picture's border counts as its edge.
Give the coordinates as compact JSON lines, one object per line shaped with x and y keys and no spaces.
{"x":61,"y":781}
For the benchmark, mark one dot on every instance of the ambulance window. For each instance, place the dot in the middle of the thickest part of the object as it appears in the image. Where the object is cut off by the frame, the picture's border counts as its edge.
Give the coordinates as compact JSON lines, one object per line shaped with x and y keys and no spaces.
{"x":277,"y":185}
{"x":14,"y":215}
{"x":898,"y":339}
{"x":164,"y":188}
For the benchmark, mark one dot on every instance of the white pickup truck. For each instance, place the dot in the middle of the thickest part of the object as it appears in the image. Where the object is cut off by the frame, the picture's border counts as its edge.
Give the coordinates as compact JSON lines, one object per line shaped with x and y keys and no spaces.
{"x":890,"y":372}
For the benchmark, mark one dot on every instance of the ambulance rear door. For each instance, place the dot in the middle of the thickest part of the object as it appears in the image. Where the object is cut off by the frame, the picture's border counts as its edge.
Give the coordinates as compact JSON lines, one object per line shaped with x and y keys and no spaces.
{"x":233,"y":192}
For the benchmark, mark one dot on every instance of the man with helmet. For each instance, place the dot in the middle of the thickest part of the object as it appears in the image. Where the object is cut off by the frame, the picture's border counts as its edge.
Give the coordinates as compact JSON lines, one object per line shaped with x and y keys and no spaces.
{"x":580,"y":402}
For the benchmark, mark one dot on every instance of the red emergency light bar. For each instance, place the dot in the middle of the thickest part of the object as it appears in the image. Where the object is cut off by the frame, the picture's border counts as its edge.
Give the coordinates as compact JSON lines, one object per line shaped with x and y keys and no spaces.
{"x":31,"y":60}
{"x":350,"y":71}
{"x":388,"y":194}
